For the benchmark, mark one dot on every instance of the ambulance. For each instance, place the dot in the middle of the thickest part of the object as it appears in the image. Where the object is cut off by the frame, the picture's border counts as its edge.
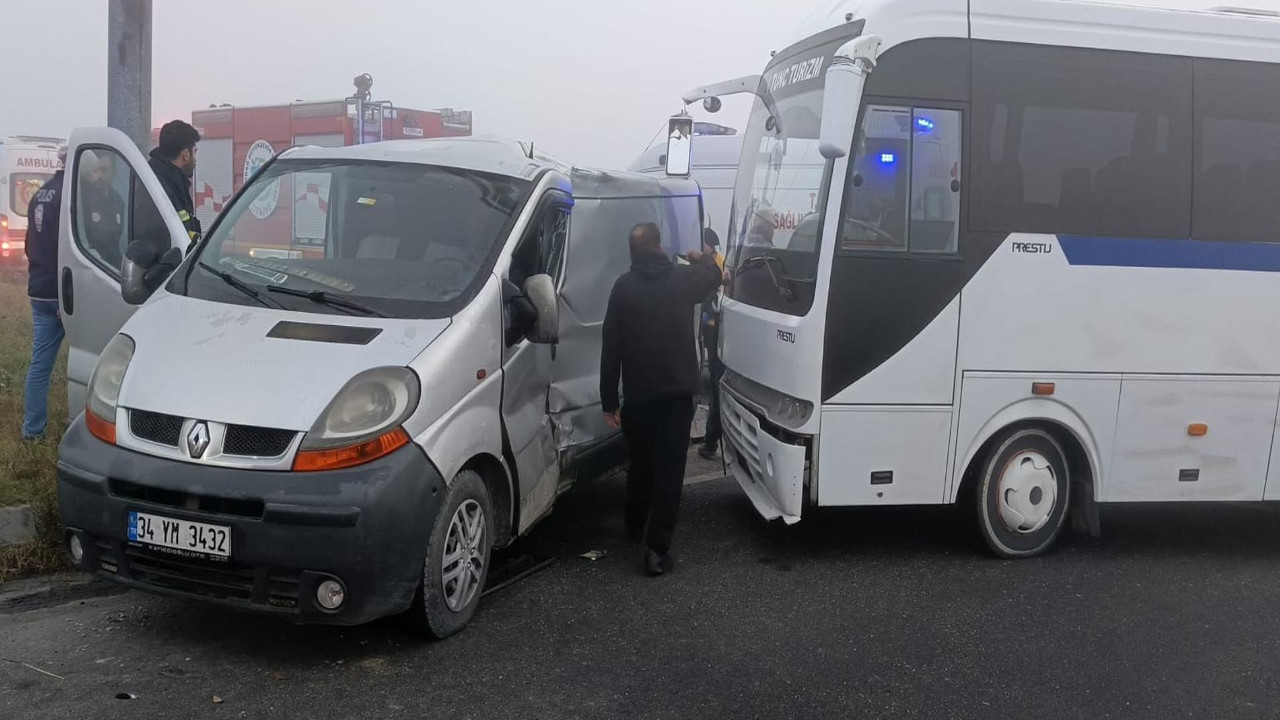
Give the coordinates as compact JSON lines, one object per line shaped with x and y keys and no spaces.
{"x":26,"y":163}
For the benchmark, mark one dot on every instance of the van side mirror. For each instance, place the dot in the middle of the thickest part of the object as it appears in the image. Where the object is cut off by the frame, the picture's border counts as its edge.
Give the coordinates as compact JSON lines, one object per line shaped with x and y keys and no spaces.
{"x":842,"y":92}
{"x":144,"y":270}
{"x":541,"y":293}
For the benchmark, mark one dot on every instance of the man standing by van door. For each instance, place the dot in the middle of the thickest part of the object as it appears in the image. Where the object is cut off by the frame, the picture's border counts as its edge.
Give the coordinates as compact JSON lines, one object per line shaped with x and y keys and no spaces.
{"x":174,"y":163}
{"x":42,"y":289}
{"x":710,"y":331}
{"x":649,"y":344}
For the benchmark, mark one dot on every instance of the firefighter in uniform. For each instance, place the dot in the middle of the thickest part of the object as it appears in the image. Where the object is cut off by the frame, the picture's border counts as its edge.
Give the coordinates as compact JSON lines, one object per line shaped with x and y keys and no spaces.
{"x":174,"y":163}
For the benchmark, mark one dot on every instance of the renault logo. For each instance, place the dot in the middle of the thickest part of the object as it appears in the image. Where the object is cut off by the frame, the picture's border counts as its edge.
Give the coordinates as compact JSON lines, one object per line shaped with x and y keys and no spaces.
{"x":198,"y":439}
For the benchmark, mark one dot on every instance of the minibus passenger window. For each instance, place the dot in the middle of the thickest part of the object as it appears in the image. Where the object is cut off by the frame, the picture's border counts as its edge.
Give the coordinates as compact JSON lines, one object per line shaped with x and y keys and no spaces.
{"x":903,"y":191}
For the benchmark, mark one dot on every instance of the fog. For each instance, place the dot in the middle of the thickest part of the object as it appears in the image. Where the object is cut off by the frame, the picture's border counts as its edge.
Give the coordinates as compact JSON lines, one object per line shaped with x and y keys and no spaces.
{"x":588,"y":80}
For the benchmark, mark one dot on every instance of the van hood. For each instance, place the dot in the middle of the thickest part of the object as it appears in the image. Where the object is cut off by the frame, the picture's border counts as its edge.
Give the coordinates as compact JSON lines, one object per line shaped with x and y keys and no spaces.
{"x":219,"y":362}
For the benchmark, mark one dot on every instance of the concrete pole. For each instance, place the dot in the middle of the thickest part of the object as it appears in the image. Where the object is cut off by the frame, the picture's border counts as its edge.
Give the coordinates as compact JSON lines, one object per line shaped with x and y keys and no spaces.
{"x":129,"y":69}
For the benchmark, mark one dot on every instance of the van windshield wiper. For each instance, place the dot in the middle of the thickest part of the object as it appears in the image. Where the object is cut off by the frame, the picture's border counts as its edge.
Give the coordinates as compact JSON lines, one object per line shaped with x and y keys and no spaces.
{"x":767,"y":262}
{"x":324,"y":298}
{"x":238,"y":284}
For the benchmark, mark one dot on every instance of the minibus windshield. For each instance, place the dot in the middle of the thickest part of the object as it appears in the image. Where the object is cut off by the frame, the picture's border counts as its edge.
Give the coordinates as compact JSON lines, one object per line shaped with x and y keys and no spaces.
{"x":400,"y":239}
{"x":780,"y":195}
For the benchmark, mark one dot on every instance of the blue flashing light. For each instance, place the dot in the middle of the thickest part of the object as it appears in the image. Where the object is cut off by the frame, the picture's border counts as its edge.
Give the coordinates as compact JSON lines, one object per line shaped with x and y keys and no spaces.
{"x":888,"y":158}
{"x":924,"y":124}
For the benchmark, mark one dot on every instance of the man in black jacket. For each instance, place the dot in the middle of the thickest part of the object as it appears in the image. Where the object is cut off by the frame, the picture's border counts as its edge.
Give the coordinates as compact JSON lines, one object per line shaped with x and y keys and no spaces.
{"x":649,"y":343}
{"x":42,"y":289}
{"x":174,"y":163}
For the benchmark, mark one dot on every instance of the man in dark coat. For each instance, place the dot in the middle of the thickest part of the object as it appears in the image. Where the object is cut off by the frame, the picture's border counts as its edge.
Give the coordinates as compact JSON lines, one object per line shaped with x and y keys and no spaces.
{"x":649,"y":344}
{"x":174,"y":163}
{"x":43,"y":219}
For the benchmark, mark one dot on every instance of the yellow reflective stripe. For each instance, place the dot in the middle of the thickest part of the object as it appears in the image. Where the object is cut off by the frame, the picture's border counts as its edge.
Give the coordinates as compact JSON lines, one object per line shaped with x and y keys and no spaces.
{"x":183,"y":215}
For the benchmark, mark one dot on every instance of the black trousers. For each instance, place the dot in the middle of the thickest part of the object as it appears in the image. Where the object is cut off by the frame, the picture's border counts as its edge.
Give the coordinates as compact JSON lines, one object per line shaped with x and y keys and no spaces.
{"x":657,"y":435}
{"x":710,"y":339}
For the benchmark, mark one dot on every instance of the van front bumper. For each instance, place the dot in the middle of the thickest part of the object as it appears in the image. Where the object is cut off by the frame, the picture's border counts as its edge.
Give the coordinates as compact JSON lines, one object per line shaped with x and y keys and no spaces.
{"x":366,"y":527}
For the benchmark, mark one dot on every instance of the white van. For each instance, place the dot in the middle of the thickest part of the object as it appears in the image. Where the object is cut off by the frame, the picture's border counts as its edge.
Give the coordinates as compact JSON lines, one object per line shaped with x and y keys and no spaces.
{"x":26,"y":164}
{"x":338,"y":425}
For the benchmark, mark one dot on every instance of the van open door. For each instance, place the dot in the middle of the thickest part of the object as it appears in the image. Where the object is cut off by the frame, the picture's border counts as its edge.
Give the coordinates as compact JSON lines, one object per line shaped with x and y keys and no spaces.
{"x":110,"y":200}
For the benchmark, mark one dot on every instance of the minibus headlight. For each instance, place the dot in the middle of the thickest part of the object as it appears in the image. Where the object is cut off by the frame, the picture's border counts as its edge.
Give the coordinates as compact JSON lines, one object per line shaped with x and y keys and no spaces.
{"x":370,"y":405}
{"x":790,"y":412}
{"x":104,"y":387}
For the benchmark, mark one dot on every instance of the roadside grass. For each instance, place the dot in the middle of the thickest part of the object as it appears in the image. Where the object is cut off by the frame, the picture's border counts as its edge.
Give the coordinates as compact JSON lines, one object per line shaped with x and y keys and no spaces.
{"x":28,"y":470}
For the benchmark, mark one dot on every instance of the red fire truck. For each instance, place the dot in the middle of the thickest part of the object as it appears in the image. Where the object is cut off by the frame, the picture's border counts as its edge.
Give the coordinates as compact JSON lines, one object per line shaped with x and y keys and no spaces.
{"x":237,"y":141}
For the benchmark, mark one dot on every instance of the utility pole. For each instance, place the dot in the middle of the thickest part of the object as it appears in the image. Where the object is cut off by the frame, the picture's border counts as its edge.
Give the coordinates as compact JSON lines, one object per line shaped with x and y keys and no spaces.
{"x":129,"y":69}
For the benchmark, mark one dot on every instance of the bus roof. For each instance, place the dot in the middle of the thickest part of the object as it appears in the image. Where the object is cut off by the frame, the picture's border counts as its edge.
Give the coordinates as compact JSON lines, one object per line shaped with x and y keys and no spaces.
{"x":1213,"y":31}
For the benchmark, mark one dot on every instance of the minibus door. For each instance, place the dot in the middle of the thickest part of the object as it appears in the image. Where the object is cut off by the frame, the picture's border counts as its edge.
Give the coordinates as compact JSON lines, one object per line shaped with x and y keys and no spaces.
{"x":110,"y":199}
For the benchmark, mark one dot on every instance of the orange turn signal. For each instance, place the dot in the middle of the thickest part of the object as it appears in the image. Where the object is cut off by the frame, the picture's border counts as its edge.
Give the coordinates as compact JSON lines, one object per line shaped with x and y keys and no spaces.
{"x":1042,"y":388}
{"x":99,"y":428}
{"x":1198,"y":429}
{"x":351,"y":455}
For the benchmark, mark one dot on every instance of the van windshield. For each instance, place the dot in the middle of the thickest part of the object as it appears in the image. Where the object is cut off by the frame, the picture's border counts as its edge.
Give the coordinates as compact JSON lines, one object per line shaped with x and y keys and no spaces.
{"x":403,"y":239}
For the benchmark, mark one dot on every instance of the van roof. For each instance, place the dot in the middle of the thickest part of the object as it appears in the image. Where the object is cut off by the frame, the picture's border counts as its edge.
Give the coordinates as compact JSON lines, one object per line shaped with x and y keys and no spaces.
{"x":490,"y":154}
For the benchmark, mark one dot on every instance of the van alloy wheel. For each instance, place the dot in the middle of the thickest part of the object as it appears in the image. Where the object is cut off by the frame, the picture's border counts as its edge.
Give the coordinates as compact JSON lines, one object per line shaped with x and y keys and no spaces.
{"x":455,"y":565}
{"x":462,"y":569}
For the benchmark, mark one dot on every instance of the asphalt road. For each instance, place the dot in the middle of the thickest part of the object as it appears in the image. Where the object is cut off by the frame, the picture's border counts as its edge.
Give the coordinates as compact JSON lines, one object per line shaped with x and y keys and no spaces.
{"x":889,"y":613}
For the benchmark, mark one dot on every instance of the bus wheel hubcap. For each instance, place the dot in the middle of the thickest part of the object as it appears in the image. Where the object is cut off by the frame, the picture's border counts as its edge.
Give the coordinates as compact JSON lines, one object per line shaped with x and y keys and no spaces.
{"x":1028,"y":492}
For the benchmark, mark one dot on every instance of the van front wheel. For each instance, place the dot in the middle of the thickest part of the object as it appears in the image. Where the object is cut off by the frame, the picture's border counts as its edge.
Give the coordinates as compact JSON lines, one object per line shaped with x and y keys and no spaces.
{"x":1023,"y":494}
{"x":457,"y":562}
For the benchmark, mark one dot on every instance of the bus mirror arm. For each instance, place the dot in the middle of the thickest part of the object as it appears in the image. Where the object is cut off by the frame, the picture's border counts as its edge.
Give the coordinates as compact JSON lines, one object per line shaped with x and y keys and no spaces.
{"x":745,"y":84}
{"x":842,"y":92}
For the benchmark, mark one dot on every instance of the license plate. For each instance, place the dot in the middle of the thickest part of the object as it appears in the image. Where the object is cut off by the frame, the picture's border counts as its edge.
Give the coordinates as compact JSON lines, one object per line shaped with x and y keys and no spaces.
{"x":181,"y":537}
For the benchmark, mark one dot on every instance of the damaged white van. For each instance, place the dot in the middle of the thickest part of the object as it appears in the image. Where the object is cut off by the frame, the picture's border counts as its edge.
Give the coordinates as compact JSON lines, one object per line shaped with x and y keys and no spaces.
{"x":380,"y":363}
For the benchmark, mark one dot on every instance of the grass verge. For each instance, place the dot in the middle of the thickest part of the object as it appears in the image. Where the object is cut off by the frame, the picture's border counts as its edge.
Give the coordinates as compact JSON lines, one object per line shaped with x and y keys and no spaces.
{"x":28,"y":470}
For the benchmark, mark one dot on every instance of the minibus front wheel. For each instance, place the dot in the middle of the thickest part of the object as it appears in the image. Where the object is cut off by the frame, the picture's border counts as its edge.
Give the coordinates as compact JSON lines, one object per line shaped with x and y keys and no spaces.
{"x":457,"y":562}
{"x":1023,"y":493}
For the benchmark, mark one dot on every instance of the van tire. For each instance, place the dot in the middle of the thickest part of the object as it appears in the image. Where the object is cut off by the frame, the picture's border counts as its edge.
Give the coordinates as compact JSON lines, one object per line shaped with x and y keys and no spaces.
{"x":441,"y":607}
{"x":1024,"y":493}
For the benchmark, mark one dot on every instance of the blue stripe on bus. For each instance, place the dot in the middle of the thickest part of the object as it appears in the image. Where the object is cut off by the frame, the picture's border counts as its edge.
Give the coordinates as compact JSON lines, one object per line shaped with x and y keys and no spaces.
{"x":1204,"y":254}
{"x":1133,"y":253}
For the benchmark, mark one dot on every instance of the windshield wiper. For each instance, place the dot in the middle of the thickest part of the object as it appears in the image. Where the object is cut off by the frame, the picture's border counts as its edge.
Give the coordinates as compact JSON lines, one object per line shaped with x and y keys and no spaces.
{"x":238,"y":284}
{"x":767,"y":262}
{"x":324,"y":298}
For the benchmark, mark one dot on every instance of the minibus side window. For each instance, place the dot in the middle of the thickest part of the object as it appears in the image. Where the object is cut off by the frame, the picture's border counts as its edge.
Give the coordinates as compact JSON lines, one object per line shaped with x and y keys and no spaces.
{"x":904,"y":188}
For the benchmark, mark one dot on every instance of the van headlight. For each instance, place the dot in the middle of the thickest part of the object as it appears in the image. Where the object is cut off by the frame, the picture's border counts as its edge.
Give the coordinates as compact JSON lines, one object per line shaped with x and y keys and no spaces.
{"x":362,"y":422}
{"x":104,"y":387}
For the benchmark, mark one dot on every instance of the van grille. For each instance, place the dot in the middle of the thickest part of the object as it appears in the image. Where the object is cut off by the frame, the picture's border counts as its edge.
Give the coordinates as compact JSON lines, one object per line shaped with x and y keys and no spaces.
{"x":250,"y":584}
{"x":155,"y":427}
{"x":249,"y":441}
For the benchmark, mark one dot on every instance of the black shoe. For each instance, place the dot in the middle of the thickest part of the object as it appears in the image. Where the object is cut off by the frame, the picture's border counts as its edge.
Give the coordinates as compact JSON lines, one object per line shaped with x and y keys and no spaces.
{"x":708,"y":452}
{"x":634,"y":538}
{"x":655,"y":564}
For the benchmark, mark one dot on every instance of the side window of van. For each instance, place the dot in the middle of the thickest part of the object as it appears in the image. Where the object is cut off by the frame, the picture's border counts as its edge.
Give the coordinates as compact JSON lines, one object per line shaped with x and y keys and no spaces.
{"x":542,"y":250}
{"x":112,"y":210}
{"x":101,"y":220}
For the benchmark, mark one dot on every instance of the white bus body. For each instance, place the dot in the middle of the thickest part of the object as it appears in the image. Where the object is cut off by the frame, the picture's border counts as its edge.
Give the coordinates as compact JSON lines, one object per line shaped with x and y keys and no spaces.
{"x":1042,"y":278}
{"x":26,"y":164}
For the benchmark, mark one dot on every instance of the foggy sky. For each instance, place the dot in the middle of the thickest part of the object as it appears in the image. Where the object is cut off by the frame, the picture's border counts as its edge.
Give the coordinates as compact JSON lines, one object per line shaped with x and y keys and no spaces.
{"x":589,"y":80}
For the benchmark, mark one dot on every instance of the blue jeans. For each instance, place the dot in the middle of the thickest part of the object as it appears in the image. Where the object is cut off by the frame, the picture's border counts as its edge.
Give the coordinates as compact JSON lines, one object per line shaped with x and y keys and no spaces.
{"x":47,"y":337}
